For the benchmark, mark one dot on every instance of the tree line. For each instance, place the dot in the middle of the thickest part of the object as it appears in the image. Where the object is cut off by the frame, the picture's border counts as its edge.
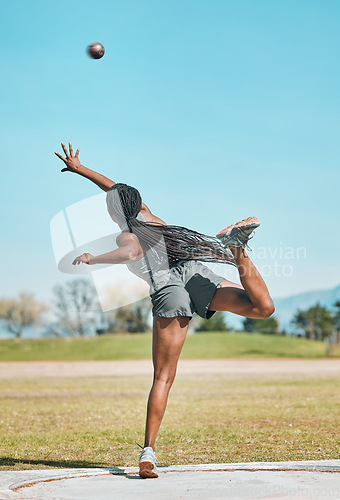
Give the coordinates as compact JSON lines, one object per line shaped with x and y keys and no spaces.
{"x":77,"y":312}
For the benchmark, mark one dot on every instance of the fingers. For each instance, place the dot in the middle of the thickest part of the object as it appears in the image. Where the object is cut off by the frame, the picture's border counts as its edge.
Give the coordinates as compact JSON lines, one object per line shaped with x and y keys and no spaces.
{"x":59,"y":156}
{"x":77,"y":260}
{"x":80,"y":259}
{"x":65,"y":150}
{"x":68,"y":154}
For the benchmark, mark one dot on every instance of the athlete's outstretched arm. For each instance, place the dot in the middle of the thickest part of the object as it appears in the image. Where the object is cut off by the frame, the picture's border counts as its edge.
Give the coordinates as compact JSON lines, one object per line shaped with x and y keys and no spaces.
{"x":118,"y":256}
{"x":73,"y":164}
{"x":128,"y":250}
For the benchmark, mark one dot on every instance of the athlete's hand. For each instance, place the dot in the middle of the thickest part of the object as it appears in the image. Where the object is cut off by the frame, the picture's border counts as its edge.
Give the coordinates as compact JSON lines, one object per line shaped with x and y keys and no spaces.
{"x":71,"y":161}
{"x":85,"y":257}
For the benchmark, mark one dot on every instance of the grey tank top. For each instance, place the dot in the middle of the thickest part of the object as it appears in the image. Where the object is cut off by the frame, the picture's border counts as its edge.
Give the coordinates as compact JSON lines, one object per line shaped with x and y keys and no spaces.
{"x":154,"y":267}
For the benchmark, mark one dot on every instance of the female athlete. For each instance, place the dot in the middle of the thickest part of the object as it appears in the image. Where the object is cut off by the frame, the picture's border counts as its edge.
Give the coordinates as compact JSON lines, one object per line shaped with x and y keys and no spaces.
{"x":170,"y":259}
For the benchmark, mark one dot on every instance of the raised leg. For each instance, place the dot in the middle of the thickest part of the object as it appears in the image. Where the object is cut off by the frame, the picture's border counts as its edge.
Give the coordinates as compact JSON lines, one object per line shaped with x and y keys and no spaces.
{"x":168,"y":339}
{"x":252,"y":299}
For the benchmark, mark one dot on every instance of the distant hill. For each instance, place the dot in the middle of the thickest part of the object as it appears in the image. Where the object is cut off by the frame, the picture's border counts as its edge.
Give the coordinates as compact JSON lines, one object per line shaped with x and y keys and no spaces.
{"x":285,"y":308}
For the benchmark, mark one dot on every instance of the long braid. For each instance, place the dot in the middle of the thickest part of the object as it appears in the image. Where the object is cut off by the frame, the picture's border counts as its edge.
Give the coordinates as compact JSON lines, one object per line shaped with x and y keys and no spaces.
{"x":181,"y":243}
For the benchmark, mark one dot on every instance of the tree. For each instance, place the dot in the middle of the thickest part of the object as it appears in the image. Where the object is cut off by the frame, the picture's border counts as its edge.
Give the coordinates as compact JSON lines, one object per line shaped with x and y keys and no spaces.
{"x":132,"y":318}
{"x":215,"y":324}
{"x":248,"y":325}
{"x":18,"y":314}
{"x":300,"y":321}
{"x":317,"y":322}
{"x":321,"y":322}
{"x":76,"y":306}
{"x":337,"y":321}
{"x":268,"y":325}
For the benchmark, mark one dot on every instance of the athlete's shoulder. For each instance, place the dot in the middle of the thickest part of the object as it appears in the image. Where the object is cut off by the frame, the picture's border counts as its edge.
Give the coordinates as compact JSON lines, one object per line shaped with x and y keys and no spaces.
{"x":126,"y":238}
{"x":149,"y":216}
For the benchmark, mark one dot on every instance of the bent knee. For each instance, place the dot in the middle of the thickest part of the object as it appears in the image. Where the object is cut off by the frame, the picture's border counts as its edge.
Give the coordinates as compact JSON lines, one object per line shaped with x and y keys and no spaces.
{"x":267,"y":309}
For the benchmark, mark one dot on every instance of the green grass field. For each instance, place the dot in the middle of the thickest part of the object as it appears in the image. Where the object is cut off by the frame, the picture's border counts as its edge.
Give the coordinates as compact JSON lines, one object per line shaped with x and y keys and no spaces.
{"x":138,"y":346}
{"x":94,"y":421}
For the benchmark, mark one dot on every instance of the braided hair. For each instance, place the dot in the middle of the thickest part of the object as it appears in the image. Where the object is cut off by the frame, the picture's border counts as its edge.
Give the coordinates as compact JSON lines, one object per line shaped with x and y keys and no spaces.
{"x":125,"y":202}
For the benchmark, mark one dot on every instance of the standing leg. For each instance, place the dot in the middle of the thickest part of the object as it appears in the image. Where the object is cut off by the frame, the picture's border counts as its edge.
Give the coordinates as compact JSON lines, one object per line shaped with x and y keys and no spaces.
{"x":168,"y":339}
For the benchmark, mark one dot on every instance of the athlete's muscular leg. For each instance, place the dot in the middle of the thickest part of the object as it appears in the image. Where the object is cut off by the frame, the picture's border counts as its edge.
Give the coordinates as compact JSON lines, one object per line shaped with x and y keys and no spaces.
{"x":252,"y":299}
{"x":168,"y":339}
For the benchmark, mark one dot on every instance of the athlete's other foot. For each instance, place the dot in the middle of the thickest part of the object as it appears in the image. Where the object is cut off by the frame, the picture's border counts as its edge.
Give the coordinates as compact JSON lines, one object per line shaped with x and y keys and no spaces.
{"x":238,"y":234}
{"x":147,"y":463}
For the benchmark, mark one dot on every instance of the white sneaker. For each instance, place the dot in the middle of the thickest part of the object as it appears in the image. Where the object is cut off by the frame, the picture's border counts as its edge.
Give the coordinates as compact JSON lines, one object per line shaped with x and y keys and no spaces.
{"x":147,"y":463}
{"x":238,"y":234}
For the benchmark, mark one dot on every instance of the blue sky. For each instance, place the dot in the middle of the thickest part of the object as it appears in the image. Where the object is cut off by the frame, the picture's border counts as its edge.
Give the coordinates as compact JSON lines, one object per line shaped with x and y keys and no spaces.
{"x":214,"y":110}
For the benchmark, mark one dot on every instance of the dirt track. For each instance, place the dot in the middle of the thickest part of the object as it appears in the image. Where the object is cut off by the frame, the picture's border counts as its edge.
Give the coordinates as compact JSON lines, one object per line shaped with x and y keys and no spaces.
{"x":224,"y":367}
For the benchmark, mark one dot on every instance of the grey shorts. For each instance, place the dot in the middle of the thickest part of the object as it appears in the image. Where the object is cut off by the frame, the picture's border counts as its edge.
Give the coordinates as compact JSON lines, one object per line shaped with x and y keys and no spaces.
{"x":184,"y":289}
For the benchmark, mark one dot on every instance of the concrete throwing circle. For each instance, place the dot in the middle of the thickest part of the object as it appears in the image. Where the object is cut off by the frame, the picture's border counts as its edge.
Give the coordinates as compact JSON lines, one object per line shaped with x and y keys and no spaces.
{"x":196,"y":482}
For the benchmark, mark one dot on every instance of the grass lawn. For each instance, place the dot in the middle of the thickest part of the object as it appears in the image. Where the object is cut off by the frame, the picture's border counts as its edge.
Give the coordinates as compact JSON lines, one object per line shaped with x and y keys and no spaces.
{"x":94,"y":421}
{"x":138,"y":346}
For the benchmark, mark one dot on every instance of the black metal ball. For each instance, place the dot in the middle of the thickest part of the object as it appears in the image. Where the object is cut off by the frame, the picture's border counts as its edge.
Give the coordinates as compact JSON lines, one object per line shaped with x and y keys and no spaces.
{"x":96,"y":50}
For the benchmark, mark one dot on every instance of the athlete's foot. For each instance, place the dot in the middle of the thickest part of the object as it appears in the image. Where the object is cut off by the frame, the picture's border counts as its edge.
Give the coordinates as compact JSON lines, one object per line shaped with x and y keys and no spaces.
{"x":237,"y":235}
{"x":147,"y":463}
